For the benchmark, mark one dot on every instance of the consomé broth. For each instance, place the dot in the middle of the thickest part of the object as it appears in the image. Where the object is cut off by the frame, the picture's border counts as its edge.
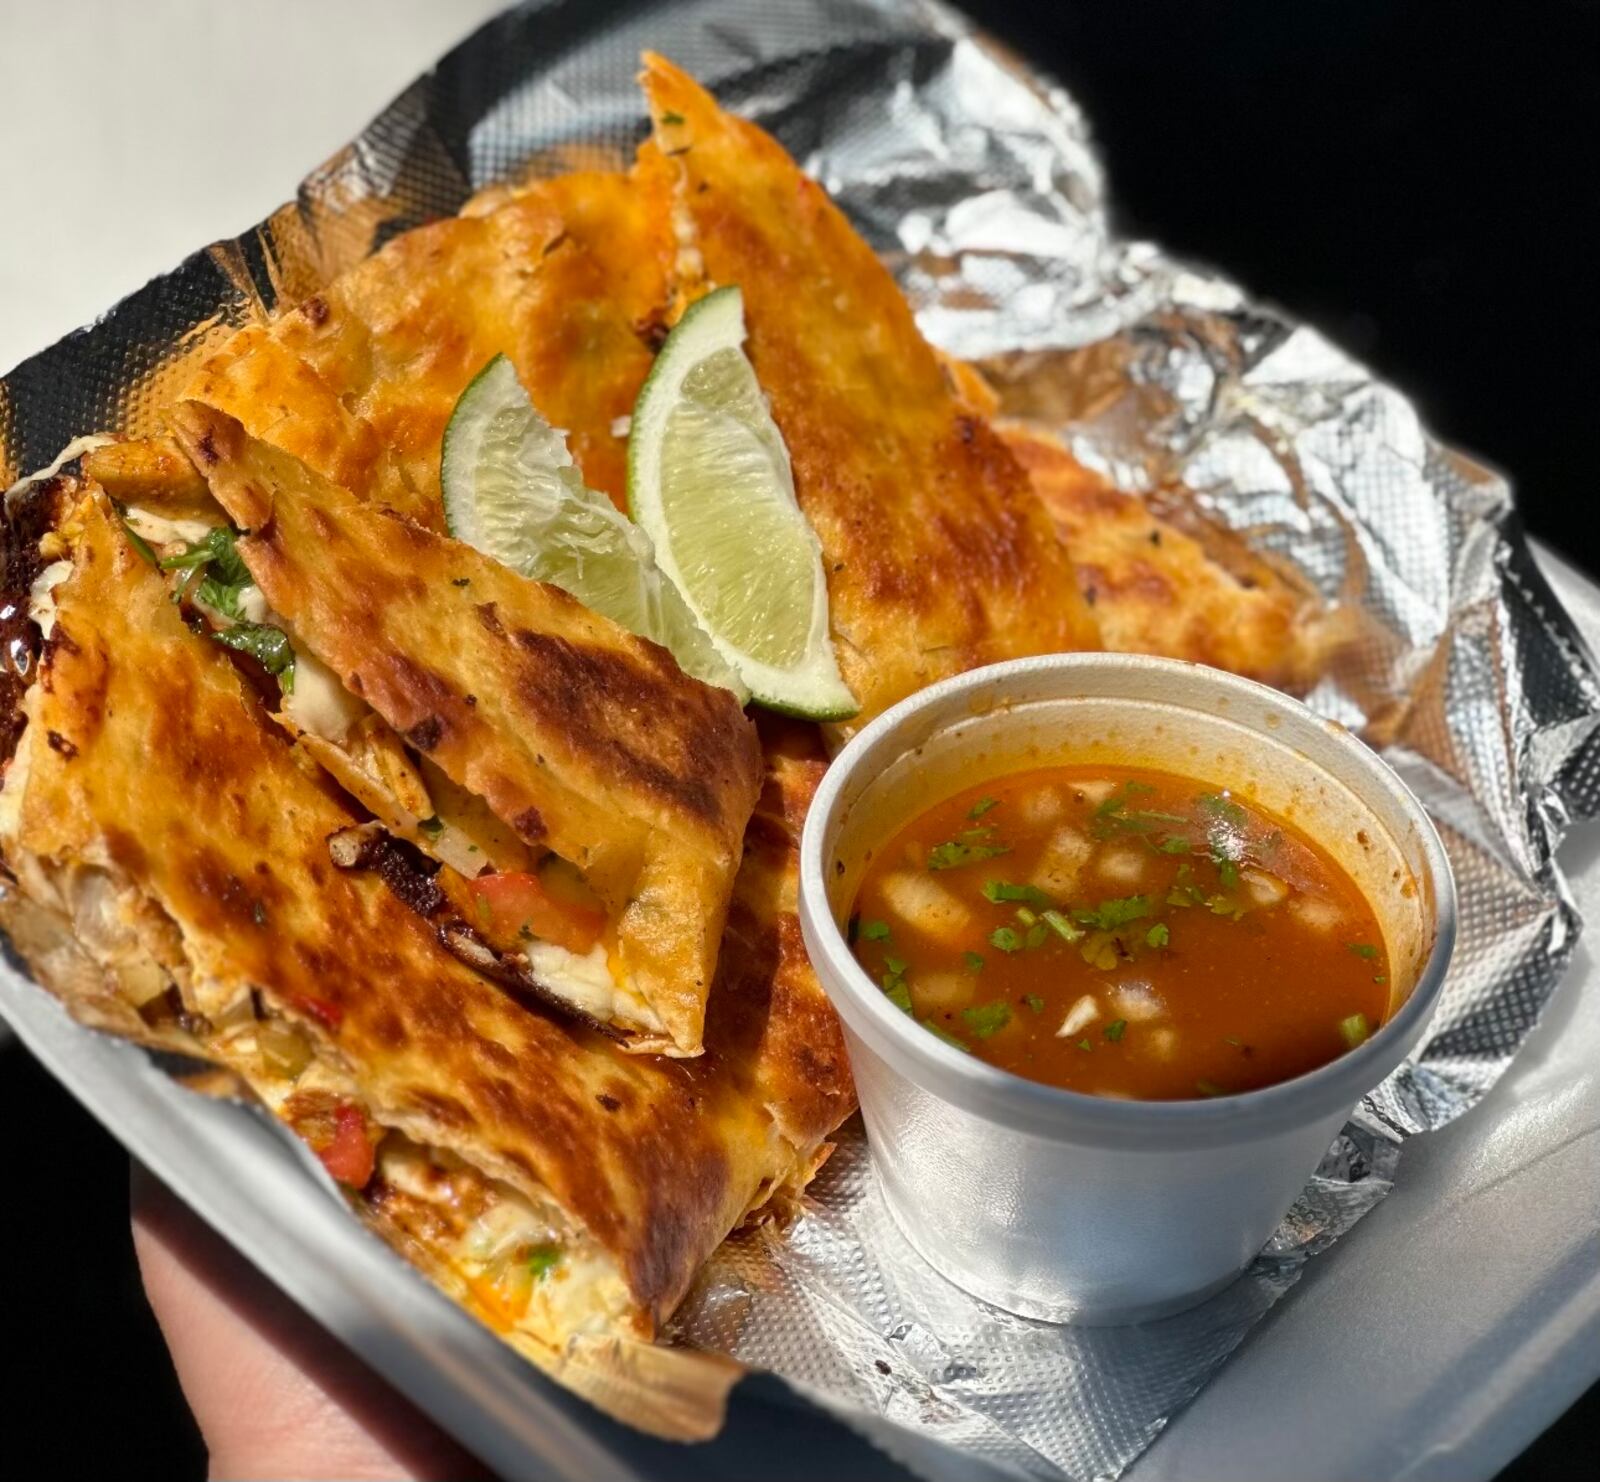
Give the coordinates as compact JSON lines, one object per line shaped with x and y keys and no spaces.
{"x":1122,"y":932}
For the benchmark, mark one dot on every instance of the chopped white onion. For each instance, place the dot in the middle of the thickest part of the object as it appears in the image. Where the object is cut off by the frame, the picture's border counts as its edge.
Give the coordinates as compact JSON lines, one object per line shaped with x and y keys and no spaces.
{"x":1079,"y":1017}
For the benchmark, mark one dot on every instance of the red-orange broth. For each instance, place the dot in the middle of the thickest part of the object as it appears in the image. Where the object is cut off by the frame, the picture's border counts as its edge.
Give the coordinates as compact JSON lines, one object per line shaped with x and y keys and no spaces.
{"x":1123,"y":932}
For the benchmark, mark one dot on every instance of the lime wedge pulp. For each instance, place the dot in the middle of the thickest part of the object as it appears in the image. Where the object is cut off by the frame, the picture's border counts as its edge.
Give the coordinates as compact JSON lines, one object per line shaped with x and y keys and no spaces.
{"x":709,"y":481}
{"x":511,"y":490}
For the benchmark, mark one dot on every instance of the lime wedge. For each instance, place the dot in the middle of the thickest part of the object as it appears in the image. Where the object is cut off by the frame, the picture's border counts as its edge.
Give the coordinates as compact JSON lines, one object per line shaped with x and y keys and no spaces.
{"x":512,"y":491}
{"x":709,"y":481}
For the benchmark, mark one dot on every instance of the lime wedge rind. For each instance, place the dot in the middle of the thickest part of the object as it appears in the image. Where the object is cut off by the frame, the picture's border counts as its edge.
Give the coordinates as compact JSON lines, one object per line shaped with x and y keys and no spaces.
{"x":710,"y":482}
{"x":512,"y":491}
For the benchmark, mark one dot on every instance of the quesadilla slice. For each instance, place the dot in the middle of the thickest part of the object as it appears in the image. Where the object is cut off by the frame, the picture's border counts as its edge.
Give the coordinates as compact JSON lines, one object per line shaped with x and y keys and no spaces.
{"x":563,"y":1190}
{"x":567,"y":278}
{"x":1158,"y":588}
{"x":629,"y":782}
{"x":939,"y":556}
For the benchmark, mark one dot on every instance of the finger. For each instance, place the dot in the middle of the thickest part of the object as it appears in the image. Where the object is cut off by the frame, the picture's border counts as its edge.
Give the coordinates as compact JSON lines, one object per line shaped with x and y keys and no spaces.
{"x":273,"y":1394}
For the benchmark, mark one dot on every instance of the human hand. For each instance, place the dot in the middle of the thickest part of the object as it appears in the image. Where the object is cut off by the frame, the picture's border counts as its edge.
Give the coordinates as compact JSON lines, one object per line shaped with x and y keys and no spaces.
{"x":273,"y":1394}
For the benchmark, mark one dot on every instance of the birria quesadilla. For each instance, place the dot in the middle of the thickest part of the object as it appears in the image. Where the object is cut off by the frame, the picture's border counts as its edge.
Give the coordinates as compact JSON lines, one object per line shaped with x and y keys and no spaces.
{"x":1187,"y":591}
{"x":939,"y":557}
{"x":565,"y":1190}
{"x":629,"y":781}
{"x":566,"y":277}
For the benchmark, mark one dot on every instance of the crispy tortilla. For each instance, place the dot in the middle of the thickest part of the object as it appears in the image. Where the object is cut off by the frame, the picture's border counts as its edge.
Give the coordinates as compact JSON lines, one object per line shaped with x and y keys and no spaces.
{"x":939,"y":557}
{"x":1158,"y":589}
{"x":566,"y":277}
{"x":584,"y":739}
{"x":154,"y":809}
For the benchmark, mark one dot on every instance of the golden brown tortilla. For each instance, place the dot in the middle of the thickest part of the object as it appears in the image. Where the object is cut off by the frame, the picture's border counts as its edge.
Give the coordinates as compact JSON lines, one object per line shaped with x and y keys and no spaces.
{"x":584,"y":739}
{"x":565,"y":277}
{"x":1157,"y":589}
{"x":155,"y":808}
{"x":939,"y":557}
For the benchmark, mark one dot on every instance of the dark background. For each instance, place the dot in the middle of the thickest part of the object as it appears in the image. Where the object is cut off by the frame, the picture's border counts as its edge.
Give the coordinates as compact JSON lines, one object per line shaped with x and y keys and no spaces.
{"x":1416,"y":179}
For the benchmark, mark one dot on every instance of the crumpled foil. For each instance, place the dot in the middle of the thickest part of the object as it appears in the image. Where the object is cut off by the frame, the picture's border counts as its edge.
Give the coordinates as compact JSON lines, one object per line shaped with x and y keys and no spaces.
{"x":974,"y":177}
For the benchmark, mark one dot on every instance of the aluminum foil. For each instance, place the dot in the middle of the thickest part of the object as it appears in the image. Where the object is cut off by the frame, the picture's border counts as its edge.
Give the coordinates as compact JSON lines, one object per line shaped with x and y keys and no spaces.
{"x":974,"y":177}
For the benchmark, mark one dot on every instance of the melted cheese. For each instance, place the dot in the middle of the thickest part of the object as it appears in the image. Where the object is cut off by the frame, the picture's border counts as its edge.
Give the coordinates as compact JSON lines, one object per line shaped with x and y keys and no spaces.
{"x":75,"y":449}
{"x":586,"y":983}
{"x":160,"y":530}
{"x":41,"y":595}
{"x":253,"y":604}
{"x":582,"y":1293}
{"x":318,"y":702}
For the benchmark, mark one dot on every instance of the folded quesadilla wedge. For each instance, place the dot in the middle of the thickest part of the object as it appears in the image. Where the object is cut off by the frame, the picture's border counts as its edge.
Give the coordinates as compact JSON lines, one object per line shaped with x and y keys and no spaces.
{"x":167,"y":504}
{"x":939,"y":557}
{"x":631,"y":781}
{"x":1191,"y":592}
{"x":563,"y":1190}
{"x":566,"y":277}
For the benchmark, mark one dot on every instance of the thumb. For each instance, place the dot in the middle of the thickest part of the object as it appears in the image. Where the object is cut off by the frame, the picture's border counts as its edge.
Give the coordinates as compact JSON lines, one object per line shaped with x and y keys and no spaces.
{"x":273,"y":1394}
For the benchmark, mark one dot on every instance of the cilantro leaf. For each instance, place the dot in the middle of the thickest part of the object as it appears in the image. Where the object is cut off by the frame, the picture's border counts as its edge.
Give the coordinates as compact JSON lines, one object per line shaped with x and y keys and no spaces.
{"x":1115,"y":1030}
{"x":542,"y":1260}
{"x":268,"y":646}
{"x":1006,"y":939}
{"x":1034,"y":1002}
{"x":190,"y":558}
{"x":894,"y":984}
{"x":972,"y":961}
{"x":1220,"y":805}
{"x":217,"y":550}
{"x":140,"y":544}
{"x":1061,"y":926}
{"x":1002,"y":890}
{"x":958,"y":852}
{"x":987,"y":1018}
{"x":1363,"y":949}
{"x":226,"y":558}
{"x":1158,"y":935}
{"x":219,"y":598}
{"x":1112,"y":817}
{"x":875,"y":931}
{"x":1184,"y":891}
{"x":1109,"y":915}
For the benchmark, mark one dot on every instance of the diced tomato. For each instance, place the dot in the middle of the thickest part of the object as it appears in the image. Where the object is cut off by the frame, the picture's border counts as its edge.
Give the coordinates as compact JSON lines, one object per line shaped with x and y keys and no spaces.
{"x":512,"y":902}
{"x":349,"y":1157}
{"x":328,"y":1014}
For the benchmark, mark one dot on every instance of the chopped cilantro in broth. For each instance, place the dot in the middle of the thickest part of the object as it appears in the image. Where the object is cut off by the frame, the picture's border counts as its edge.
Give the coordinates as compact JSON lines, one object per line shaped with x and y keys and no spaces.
{"x":1123,"y":932}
